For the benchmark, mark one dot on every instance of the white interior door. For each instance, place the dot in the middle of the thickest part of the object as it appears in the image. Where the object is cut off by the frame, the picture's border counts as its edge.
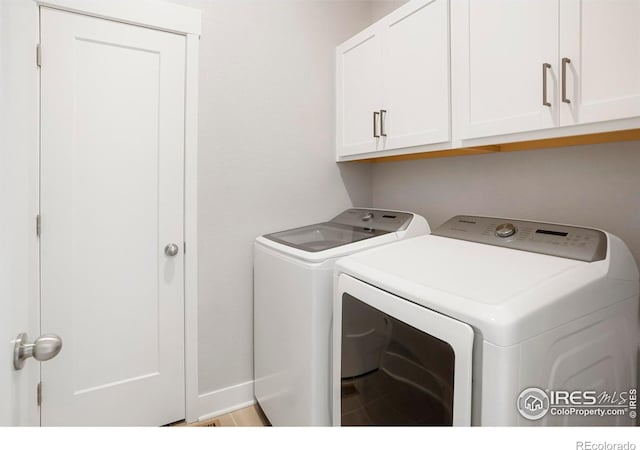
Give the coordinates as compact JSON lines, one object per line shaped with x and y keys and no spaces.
{"x":499,"y":50}
{"x":112,"y":112}
{"x":600,"y":40}
{"x":415,"y":50}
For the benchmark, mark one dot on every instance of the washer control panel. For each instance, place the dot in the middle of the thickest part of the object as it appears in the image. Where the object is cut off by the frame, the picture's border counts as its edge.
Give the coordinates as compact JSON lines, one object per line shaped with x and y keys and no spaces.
{"x":374,"y":219}
{"x":583,"y":244}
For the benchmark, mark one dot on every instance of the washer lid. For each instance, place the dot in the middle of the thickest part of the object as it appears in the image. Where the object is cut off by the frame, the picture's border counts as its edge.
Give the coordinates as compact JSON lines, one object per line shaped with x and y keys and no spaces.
{"x":323,"y":236}
{"x":352,"y":225}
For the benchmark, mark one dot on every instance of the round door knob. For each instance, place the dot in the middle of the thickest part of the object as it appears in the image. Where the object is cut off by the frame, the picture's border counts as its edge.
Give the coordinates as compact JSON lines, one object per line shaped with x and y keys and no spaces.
{"x":171,"y":250}
{"x":367,"y":217}
{"x":505,"y":230}
{"x":44,"y":348}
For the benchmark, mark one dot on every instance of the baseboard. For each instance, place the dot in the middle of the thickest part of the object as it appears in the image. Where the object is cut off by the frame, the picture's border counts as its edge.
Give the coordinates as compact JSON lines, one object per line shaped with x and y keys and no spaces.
{"x":223,"y":401}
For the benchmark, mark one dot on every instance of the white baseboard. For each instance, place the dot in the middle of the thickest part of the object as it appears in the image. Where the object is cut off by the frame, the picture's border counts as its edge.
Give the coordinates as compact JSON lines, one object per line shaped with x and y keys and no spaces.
{"x":223,"y":401}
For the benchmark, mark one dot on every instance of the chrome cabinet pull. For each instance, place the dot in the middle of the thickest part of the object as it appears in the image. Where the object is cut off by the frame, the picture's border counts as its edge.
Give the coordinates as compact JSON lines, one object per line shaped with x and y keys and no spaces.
{"x":565,"y":61}
{"x":545,"y":66}
{"x":383,"y":113}
{"x":375,"y":124}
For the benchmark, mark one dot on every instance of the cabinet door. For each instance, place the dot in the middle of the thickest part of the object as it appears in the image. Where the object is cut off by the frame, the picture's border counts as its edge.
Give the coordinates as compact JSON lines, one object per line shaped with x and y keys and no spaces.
{"x":415,"y":51}
{"x":601,"y":39}
{"x":499,"y":48}
{"x":358,"y":90}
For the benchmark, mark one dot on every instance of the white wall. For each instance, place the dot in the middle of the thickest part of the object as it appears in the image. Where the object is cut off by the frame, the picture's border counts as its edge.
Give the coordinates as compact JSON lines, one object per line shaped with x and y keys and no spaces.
{"x":266,"y":159}
{"x":594,"y":186}
{"x":380,"y":8}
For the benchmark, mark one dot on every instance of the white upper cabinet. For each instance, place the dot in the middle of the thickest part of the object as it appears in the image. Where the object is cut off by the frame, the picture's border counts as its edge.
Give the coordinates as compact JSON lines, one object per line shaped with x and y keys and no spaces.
{"x":509,"y":77}
{"x":359,"y":93}
{"x":415,"y":49}
{"x":504,"y":60}
{"x":393,"y":82}
{"x":600,"y":60}
{"x":448,"y":74}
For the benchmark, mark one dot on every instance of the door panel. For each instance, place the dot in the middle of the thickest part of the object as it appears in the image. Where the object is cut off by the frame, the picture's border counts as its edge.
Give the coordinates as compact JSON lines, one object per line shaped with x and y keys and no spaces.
{"x":503,"y":45}
{"x":359,"y":93}
{"x":393,"y":373}
{"x":416,"y":75}
{"x":377,"y":340}
{"x":601,"y":38}
{"x":111,"y":199}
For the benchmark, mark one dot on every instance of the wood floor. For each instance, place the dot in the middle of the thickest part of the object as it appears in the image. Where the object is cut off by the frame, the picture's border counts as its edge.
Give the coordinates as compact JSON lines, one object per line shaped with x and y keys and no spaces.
{"x":245,"y":417}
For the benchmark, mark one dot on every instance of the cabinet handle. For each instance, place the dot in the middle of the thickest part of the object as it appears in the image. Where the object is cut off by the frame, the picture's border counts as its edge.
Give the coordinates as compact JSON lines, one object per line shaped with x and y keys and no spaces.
{"x":545,"y":66}
{"x":565,"y":61}
{"x":375,"y":124}
{"x":383,"y":113}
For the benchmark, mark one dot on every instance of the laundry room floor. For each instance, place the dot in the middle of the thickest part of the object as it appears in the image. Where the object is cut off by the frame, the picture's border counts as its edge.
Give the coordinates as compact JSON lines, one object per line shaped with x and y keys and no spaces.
{"x":245,"y":417}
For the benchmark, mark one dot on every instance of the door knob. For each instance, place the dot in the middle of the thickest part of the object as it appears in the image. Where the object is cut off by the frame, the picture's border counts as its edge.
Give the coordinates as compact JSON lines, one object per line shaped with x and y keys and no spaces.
{"x":44,"y":348}
{"x":171,"y":250}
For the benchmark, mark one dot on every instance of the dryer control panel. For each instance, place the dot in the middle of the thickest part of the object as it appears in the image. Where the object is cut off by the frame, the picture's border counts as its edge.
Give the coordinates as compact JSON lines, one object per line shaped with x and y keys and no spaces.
{"x":583,"y":244}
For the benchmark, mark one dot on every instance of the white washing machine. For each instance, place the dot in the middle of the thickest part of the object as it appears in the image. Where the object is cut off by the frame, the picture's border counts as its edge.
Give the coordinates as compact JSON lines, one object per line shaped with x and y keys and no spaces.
{"x":487,"y":322}
{"x":293,"y":292}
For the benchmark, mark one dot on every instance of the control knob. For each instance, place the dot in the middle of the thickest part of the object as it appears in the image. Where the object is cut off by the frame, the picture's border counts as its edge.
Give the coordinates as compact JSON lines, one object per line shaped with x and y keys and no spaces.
{"x":505,"y":230}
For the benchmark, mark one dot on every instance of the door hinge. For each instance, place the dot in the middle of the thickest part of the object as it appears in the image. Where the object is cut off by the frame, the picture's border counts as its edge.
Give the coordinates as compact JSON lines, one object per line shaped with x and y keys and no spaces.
{"x":38,"y":225}
{"x":185,"y":247}
{"x":39,"y":393}
{"x":38,"y":55}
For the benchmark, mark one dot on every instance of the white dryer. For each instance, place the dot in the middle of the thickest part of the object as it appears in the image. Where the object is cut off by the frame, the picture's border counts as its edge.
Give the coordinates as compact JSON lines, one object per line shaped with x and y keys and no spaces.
{"x":487,"y":322}
{"x":293,"y":292}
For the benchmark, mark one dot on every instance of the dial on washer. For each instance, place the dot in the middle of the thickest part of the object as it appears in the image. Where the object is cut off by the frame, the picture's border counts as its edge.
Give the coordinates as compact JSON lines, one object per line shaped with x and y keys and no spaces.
{"x":505,"y":230}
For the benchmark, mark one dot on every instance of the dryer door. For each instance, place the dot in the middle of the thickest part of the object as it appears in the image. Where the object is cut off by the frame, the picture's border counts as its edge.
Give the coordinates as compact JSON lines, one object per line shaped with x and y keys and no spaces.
{"x":397,"y":363}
